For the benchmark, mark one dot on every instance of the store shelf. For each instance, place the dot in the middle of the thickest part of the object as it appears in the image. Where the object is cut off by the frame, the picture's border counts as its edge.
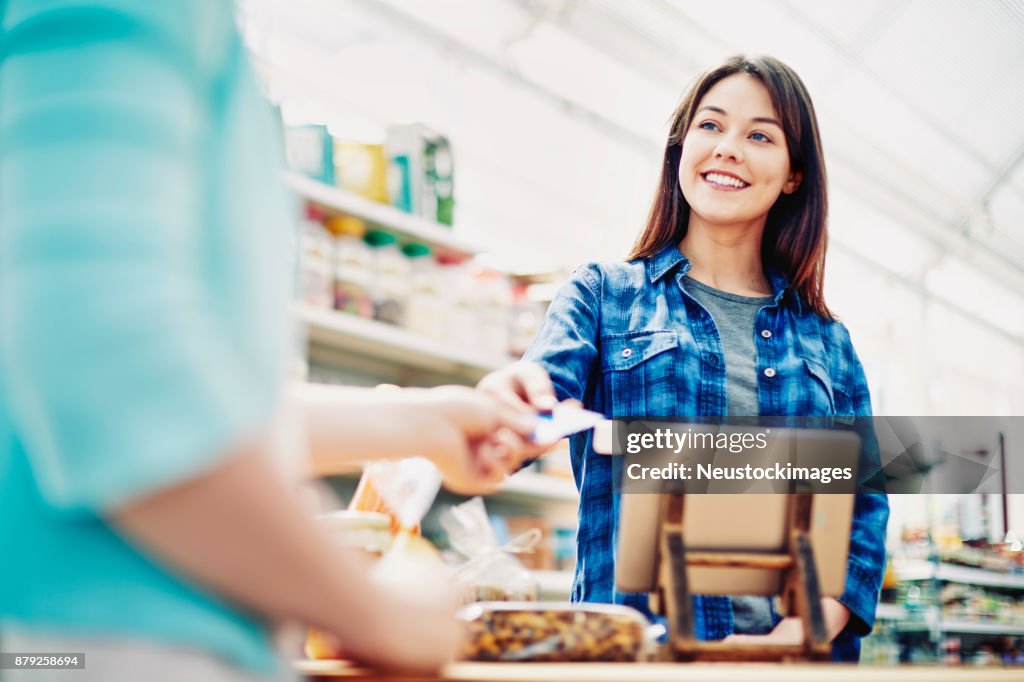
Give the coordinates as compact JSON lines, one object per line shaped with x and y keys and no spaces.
{"x":932,"y":622}
{"x":890,"y":612}
{"x":524,"y":487}
{"x":540,"y":487}
{"x":380,"y":215}
{"x":925,"y":570}
{"x":554,"y":584}
{"x":981,"y":627}
{"x":393,"y":344}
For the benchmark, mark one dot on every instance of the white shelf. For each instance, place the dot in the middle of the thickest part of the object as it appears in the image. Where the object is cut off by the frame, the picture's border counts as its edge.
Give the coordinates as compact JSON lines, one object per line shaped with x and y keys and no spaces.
{"x":925,"y":570}
{"x":380,"y":215}
{"x":890,"y":612}
{"x":981,"y":627}
{"x":935,"y":624}
{"x":554,"y":584}
{"x":394,"y":344}
{"x":540,"y":486}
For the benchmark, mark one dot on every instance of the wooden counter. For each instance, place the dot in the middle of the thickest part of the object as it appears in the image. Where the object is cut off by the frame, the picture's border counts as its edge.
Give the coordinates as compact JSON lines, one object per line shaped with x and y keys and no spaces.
{"x":328,"y":671}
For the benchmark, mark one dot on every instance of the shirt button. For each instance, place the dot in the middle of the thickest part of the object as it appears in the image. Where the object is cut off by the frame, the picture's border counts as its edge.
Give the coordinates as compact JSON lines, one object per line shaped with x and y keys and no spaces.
{"x":770,"y":372}
{"x":627,"y":352}
{"x":712,"y":359}
{"x":766,"y":334}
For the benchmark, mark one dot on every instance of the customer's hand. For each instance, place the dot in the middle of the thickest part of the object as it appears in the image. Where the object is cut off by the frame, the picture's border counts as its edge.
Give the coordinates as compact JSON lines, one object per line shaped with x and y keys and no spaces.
{"x":471,"y":436}
{"x":526,"y":388}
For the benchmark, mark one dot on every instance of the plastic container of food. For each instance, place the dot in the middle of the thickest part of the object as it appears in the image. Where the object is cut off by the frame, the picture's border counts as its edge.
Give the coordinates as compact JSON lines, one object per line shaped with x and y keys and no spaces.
{"x":554,"y":632}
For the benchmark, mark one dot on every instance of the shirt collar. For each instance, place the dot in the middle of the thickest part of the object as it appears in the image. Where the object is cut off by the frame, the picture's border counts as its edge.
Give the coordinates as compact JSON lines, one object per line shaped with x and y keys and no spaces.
{"x":667,"y":258}
{"x":663,"y":262}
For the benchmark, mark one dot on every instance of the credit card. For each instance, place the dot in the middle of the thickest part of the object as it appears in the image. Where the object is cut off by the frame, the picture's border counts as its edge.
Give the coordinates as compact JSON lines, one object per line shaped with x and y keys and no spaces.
{"x":563,"y":421}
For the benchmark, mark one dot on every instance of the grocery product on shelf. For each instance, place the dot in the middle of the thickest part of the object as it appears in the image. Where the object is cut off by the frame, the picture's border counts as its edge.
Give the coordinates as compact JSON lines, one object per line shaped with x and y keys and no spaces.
{"x":492,"y":310}
{"x":422,"y":172}
{"x":460,"y":301}
{"x":316,"y":256}
{"x":309,"y":150}
{"x":361,"y":168}
{"x":565,"y":548}
{"x":526,"y":317}
{"x":389,"y":284}
{"x":424,"y":313}
{"x":353,"y":266}
{"x":553,"y":632}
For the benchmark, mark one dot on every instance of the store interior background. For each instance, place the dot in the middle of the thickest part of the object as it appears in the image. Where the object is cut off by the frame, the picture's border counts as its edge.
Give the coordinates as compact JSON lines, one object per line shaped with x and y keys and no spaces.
{"x":557,"y":112}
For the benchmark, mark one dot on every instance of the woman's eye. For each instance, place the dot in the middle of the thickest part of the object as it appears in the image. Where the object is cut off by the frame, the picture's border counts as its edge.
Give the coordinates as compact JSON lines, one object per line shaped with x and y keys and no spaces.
{"x":760,"y":137}
{"x":708,"y":125}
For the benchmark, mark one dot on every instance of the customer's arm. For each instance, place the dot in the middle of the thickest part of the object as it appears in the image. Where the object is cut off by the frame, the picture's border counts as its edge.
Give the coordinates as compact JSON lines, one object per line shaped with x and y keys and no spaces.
{"x":125,"y":387}
{"x":466,"y":433}
{"x":237,"y":531}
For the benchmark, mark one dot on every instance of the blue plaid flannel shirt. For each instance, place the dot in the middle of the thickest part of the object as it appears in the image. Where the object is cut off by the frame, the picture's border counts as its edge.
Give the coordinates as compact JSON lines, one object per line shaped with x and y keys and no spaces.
{"x":675,"y":368}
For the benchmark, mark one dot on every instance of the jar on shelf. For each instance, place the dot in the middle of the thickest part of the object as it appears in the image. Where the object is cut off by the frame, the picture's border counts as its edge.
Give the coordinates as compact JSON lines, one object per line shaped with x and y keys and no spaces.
{"x":353,"y":266}
{"x":390,"y":282}
{"x":460,"y":301}
{"x":493,"y":305}
{"x":424,"y":313}
{"x":316,"y":253}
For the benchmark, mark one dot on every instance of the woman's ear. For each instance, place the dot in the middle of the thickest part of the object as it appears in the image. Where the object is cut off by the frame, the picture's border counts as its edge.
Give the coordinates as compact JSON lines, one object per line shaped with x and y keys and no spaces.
{"x":793,"y":183}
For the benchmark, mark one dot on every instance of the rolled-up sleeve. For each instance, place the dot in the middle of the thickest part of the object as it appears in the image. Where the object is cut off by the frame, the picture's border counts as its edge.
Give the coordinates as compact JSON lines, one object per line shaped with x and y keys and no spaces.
{"x":118,"y":375}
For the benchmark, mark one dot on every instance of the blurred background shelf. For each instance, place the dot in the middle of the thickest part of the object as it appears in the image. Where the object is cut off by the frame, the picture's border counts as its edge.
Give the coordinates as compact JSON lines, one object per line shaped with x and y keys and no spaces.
{"x":380,"y":215}
{"x":931,"y":621}
{"x":382,"y":342}
{"x":554,"y":585}
{"x":890,"y":612}
{"x":540,"y":487}
{"x":926,"y":570}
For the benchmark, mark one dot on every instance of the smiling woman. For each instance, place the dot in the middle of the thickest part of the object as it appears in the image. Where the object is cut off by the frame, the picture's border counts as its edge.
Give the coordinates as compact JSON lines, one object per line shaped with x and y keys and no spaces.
{"x":717,"y":312}
{"x":749,"y":127}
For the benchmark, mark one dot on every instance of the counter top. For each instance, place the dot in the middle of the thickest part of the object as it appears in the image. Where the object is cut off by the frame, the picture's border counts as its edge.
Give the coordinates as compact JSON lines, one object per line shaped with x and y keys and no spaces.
{"x":334,"y":671}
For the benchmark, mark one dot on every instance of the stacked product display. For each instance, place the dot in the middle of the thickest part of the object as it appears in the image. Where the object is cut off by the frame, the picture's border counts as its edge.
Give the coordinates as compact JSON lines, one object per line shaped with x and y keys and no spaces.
{"x":354,"y":268}
{"x":412,"y":171}
{"x":950,"y":601}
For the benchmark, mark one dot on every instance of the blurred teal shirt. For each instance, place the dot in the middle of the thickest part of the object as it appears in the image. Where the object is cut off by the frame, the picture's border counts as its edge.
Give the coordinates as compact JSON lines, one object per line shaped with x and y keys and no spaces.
{"x":143,"y":302}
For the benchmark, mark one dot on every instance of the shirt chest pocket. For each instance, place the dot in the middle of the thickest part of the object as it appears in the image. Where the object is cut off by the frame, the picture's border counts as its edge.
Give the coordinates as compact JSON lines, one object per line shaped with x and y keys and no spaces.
{"x":821,"y":397}
{"x":638,"y":371}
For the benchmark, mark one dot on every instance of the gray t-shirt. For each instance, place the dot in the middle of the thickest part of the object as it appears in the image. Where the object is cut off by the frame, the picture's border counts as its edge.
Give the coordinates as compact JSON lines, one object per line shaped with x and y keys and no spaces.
{"x":734,"y":317}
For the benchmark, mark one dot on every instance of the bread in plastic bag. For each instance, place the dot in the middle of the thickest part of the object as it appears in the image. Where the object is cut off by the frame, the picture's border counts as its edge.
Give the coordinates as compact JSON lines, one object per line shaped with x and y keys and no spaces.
{"x":491,"y":572}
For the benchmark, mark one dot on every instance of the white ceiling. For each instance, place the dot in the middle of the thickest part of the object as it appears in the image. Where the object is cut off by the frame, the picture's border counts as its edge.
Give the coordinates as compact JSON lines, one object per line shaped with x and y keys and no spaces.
{"x":558,"y":108}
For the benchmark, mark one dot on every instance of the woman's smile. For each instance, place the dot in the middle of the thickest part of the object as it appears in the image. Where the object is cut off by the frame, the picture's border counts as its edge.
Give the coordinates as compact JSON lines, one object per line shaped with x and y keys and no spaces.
{"x":723,"y":181}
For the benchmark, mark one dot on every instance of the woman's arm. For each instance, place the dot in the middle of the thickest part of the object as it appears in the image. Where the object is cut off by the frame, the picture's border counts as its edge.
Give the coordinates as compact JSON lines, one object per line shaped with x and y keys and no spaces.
{"x":558,"y":363}
{"x":866,"y":564}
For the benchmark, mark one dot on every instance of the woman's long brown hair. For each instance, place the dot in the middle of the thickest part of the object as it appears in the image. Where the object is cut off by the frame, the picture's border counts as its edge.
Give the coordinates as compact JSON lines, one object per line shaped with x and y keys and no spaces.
{"x":795,"y":237}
